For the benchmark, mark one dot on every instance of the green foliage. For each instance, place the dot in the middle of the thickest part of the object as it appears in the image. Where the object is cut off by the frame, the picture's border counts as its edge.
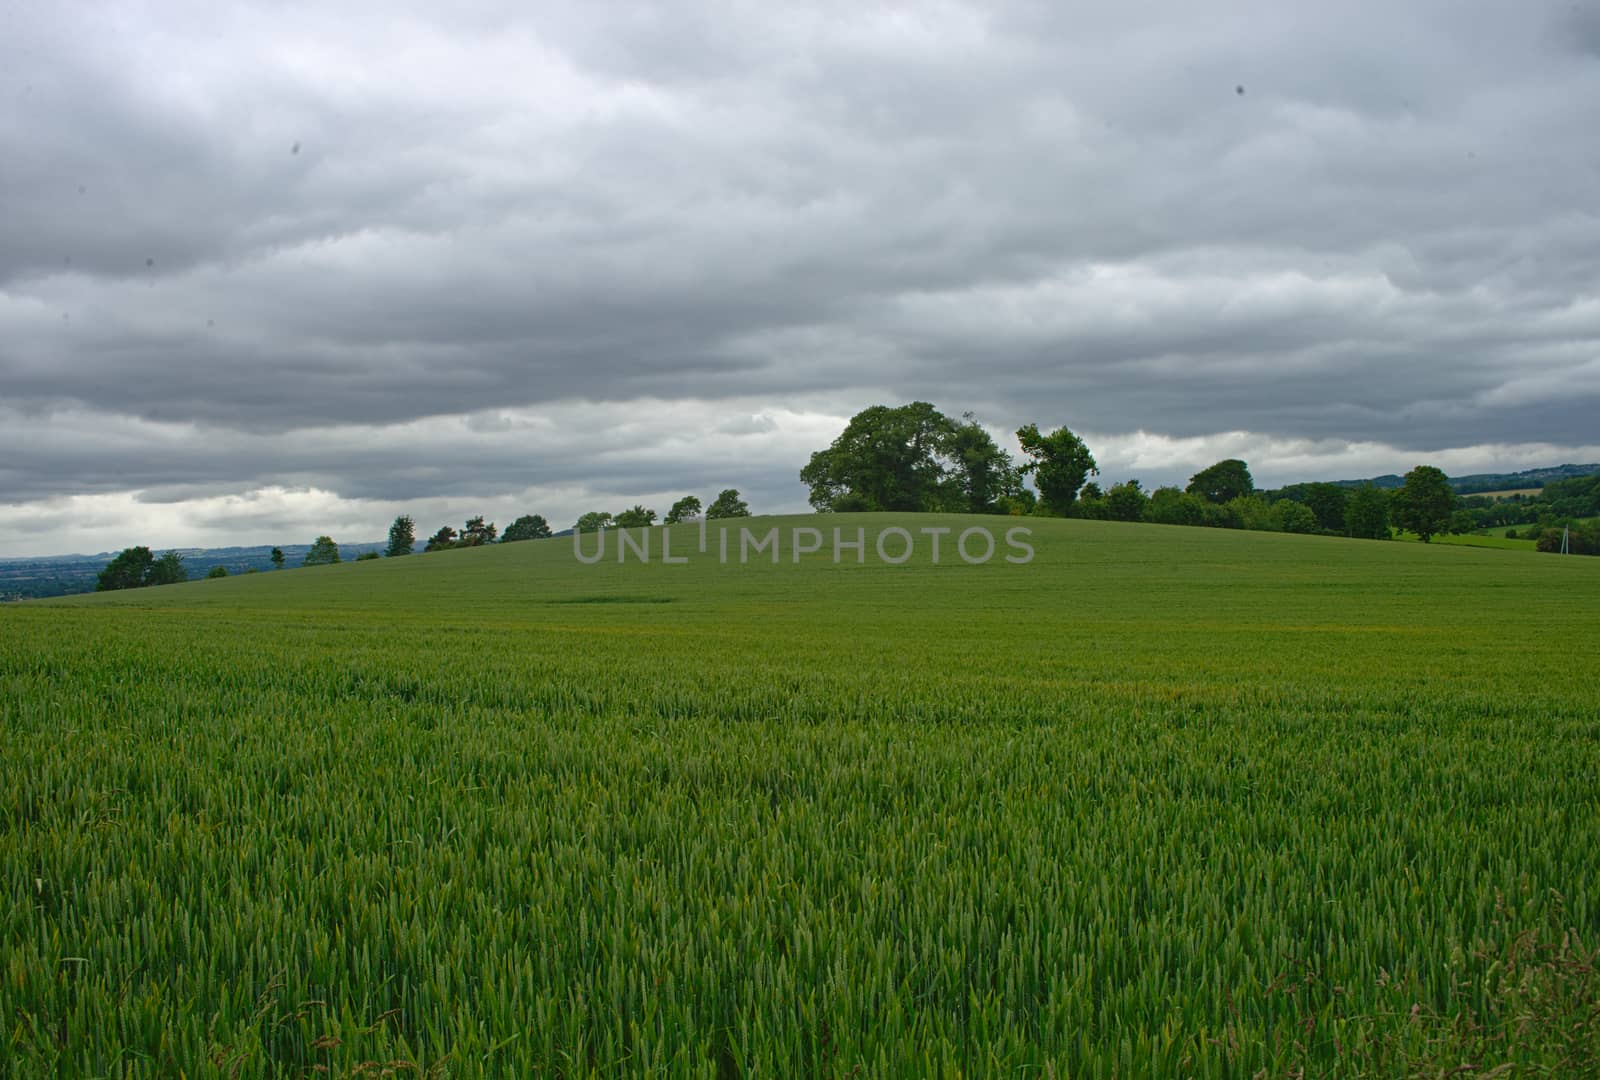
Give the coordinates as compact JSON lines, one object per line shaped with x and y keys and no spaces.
{"x":1058,"y":462}
{"x":1223,"y":482}
{"x":129,"y":570}
{"x":475,"y":533}
{"x":1293,"y":517}
{"x":527,"y":527}
{"x":402,"y":537}
{"x":637,"y":517}
{"x":1165,"y":803}
{"x":368,"y":556}
{"x":217,"y":572}
{"x":1367,"y":514}
{"x":442,"y":540}
{"x":323,"y":552}
{"x":685,"y":509}
{"x":277,"y":558}
{"x":727,"y":504}
{"x":1170,"y":506}
{"x":593,"y":521}
{"x":886,"y":458}
{"x":1126,"y":501}
{"x":167,"y":570}
{"x":1424,"y":503}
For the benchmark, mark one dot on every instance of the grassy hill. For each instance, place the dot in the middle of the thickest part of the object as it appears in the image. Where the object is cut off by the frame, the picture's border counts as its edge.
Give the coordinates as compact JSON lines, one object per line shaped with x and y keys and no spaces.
{"x":1162,"y":801}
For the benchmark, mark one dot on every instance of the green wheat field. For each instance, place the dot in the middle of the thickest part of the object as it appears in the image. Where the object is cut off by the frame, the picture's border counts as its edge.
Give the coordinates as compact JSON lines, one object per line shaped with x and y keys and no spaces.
{"x":1161,"y":802}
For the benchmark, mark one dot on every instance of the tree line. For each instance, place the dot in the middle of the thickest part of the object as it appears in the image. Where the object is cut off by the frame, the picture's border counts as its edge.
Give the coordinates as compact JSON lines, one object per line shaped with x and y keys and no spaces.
{"x":915,"y":458}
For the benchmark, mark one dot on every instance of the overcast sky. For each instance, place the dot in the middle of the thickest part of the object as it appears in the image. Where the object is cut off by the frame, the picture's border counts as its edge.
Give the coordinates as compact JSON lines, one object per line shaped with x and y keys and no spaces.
{"x":268,"y":271}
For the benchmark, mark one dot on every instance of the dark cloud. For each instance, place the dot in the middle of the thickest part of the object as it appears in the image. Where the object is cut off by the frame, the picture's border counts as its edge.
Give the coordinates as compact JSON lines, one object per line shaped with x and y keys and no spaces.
{"x":367,"y":252}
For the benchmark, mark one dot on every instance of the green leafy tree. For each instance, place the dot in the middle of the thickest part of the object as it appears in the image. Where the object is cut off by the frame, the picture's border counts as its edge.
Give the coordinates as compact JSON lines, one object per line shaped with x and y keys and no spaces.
{"x":526,"y":527}
{"x":593,"y":521}
{"x":727,"y":504}
{"x":685,"y":509}
{"x":1126,"y":501}
{"x":1059,"y":464}
{"x":887,"y":458}
{"x":981,"y":477}
{"x":1223,"y":482}
{"x":442,"y":540}
{"x":1294,"y":517}
{"x":323,"y":552}
{"x":1172,"y":506}
{"x":368,"y":556}
{"x":277,"y":558}
{"x":1424,"y":502}
{"x":1328,"y":502}
{"x":129,"y":570}
{"x":634,"y":518}
{"x":167,"y":570}
{"x":1367,"y":513}
{"x":476,"y":533}
{"x":402,"y":537}
{"x":217,"y":571}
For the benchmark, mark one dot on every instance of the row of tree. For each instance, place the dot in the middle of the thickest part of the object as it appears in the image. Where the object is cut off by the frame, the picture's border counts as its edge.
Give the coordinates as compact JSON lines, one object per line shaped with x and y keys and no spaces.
{"x":915,"y":458}
{"x":727,"y":504}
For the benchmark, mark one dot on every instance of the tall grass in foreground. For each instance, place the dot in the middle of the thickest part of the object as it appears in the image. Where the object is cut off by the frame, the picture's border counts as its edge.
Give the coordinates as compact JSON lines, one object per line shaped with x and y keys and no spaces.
{"x":1157,"y":804}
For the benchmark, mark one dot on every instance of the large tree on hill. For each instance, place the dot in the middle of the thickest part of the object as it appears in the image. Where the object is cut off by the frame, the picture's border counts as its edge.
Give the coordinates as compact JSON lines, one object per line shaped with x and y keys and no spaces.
{"x":277,"y":558}
{"x":442,"y":540}
{"x":128,"y":570}
{"x":727,"y":504}
{"x":526,"y":527}
{"x":323,"y":552}
{"x":912,"y":457}
{"x":1059,"y":463}
{"x":885,"y":459}
{"x":1424,"y":502}
{"x":634,"y":518}
{"x":402,"y":537}
{"x":1223,"y":482}
{"x":981,"y":477}
{"x":685,"y":509}
{"x":475,"y":533}
{"x":593,"y":521}
{"x":1366,"y":515}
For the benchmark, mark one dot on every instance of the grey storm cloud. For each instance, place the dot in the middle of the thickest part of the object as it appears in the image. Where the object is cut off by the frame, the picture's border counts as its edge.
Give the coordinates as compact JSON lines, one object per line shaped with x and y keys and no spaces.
{"x":283,"y":244}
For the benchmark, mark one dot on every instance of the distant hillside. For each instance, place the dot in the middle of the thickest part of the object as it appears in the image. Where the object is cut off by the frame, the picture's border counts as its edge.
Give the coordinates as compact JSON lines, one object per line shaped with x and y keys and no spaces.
{"x":1467,"y":485}
{"x":63,"y":575}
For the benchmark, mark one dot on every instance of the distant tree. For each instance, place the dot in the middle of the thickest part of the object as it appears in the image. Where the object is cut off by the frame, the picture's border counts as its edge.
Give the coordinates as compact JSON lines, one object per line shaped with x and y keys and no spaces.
{"x":217,"y":571}
{"x":129,"y":570}
{"x":889,"y":458}
{"x":1170,"y":506}
{"x":1328,"y":502}
{"x":634,"y":518}
{"x":277,"y":558}
{"x":1091,"y":490}
{"x":526,"y":527}
{"x":442,"y":540}
{"x":368,"y":556}
{"x":167,"y":570}
{"x":727,"y":504}
{"x":1223,"y":482}
{"x":685,"y":509}
{"x":1059,"y":463}
{"x":1424,"y":502}
{"x":1367,"y":513}
{"x":475,"y":533}
{"x":980,"y":475}
{"x":1294,"y":517}
{"x":593,"y":521}
{"x":402,"y":537}
{"x":323,"y":552}
{"x":1249,"y":512}
{"x":1126,"y":501}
